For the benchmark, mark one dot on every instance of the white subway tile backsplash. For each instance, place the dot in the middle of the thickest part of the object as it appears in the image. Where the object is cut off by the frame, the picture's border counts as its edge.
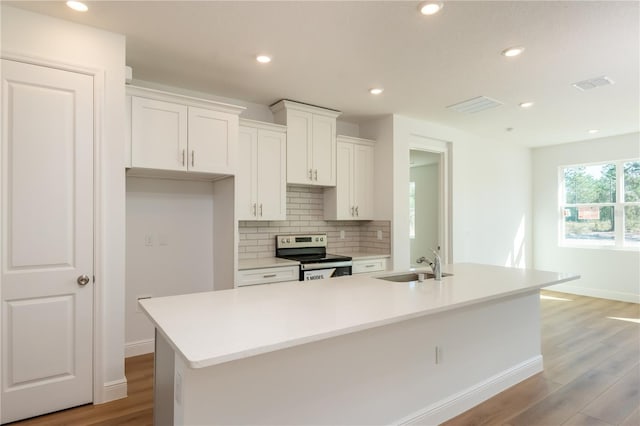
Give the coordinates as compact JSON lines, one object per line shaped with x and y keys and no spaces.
{"x":305,"y":213}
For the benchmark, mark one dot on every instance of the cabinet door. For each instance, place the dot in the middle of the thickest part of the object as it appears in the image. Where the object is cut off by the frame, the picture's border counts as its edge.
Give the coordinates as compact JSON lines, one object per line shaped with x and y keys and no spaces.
{"x":246,"y":202}
{"x":158,"y":134}
{"x":299,"y":125}
{"x":272,"y":175}
{"x":363,"y":181}
{"x":324,"y":150}
{"x":345,"y":207}
{"x":212,"y":141}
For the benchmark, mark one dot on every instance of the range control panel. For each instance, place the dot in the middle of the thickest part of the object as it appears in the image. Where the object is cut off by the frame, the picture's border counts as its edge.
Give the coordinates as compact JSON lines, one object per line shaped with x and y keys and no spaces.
{"x":301,"y":241}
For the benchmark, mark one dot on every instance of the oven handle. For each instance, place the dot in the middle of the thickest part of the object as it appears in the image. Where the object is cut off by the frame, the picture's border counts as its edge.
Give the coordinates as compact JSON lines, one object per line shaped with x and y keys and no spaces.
{"x":326,"y":265}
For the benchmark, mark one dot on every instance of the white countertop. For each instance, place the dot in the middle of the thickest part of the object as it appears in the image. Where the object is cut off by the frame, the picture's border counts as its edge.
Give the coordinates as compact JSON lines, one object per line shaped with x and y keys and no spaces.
{"x":265,"y":262}
{"x":215,"y":327}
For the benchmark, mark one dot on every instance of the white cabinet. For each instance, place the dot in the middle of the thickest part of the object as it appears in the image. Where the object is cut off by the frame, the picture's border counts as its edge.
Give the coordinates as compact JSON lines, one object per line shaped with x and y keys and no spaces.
{"x":311,"y":142}
{"x":267,"y":275}
{"x":261,"y":180}
{"x":352,"y":197}
{"x":177,"y":133}
{"x":369,"y":265}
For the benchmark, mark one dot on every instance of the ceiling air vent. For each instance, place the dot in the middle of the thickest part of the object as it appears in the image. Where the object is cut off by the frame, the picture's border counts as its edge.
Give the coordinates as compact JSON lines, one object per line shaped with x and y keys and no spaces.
{"x":592,"y":83}
{"x":474,"y":105}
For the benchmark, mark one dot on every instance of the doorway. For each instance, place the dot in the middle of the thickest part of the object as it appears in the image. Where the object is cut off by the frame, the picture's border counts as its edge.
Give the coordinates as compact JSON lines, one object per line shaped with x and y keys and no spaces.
{"x":425,"y":204}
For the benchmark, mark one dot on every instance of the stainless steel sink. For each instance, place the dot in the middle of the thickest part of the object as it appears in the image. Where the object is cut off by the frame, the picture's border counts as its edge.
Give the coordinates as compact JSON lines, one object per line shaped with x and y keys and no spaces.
{"x":412,"y":276}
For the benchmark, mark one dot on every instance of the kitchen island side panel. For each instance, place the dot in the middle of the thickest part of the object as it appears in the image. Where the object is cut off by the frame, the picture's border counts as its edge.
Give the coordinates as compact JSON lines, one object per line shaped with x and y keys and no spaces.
{"x":429,"y":368}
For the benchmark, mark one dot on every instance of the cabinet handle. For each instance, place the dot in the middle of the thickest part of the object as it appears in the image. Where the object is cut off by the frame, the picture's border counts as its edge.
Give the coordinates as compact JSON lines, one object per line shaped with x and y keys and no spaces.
{"x":254,"y":209}
{"x":352,"y":211}
{"x":357,"y":213}
{"x":310,"y":174}
{"x":260,"y":209}
{"x":269,"y":276}
{"x":316,"y":172}
{"x":193,"y":155}
{"x":369,"y":266}
{"x":183,"y":157}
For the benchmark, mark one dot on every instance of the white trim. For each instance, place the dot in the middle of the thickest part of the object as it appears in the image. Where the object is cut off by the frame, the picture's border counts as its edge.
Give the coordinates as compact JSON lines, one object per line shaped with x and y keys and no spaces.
{"x":460,"y":402}
{"x":116,"y":389}
{"x":161,"y":95}
{"x":262,"y":125}
{"x":140,"y":347}
{"x":425,"y":143}
{"x":298,"y":106}
{"x":596,"y":292}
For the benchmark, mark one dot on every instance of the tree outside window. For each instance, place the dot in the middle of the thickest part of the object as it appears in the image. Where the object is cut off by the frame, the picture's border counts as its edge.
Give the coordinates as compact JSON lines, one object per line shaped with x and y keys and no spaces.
{"x":593,"y":213}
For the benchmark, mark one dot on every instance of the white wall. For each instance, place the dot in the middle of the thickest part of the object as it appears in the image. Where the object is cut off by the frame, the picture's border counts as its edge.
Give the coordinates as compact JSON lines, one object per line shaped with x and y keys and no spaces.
{"x":491,"y":192}
{"x":607,"y":273}
{"x":427,"y":206}
{"x":177,"y":219}
{"x":41,"y":38}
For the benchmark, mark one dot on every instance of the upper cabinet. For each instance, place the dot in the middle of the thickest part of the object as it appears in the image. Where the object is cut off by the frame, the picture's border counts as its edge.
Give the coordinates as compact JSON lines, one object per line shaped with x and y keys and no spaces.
{"x":261,"y":184}
{"x":311,"y":142}
{"x":352,"y":197}
{"x":172,"y":133}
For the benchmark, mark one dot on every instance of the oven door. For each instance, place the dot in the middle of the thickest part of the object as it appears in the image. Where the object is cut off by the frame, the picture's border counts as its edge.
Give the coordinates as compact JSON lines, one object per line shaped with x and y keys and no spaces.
{"x":322,"y":271}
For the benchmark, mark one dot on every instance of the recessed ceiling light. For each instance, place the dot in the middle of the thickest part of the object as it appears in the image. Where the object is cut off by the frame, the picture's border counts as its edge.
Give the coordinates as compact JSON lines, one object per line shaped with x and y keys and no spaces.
{"x":430,"y":7}
{"x":526,"y":104}
{"x":592,"y":131}
{"x":263,"y":59}
{"x":77,"y":6}
{"x":376,"y":90}
{"x":512,"y":51}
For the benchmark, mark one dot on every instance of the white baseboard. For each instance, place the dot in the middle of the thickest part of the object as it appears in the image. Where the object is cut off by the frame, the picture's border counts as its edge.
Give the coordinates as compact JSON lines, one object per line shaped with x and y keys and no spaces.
{"x":116,"y":389}
{"x":140,"y":347}
{"x":596,"y":292}
{"x":460,"y":402}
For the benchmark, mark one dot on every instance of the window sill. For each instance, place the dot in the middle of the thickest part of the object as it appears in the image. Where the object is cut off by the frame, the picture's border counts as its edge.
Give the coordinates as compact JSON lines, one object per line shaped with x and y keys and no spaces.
{"x":599,"y":247}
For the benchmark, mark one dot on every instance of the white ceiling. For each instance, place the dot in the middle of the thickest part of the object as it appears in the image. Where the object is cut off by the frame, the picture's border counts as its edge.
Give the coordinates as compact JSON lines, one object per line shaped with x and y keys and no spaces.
{"x":330,"y":53}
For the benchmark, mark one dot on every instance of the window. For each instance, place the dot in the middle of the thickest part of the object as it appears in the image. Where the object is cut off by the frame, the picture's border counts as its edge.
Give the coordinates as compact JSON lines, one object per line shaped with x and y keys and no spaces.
{"x":600,"y":204}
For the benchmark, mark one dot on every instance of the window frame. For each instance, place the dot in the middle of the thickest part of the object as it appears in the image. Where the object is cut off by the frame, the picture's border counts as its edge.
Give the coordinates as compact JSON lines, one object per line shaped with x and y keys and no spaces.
{"x":618,"y":209}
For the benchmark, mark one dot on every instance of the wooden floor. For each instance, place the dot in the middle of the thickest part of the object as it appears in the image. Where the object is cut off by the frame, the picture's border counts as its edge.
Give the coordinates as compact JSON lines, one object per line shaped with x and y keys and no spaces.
{"x":591,"y":377}
{"x":591,"y":350}
{"x":136,"y":409}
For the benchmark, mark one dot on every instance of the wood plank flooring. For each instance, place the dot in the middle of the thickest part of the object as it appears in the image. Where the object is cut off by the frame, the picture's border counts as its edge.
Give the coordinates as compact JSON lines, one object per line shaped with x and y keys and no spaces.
{"x":591,"y":350}
{"x":591,"y":376}
{"x":136,"y":409}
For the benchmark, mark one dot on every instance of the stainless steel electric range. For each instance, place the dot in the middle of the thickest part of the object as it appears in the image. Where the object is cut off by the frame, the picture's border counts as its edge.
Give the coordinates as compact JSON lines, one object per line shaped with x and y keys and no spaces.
{"x":311,"y":251}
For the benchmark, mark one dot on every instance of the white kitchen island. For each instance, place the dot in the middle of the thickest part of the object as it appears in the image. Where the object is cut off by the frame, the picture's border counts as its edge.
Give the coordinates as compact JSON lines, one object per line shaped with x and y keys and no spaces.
{"x":349,"y":350}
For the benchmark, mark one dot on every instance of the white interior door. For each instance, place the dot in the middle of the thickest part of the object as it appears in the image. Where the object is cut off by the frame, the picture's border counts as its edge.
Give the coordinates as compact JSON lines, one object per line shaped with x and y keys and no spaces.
{"x":47,"y":239}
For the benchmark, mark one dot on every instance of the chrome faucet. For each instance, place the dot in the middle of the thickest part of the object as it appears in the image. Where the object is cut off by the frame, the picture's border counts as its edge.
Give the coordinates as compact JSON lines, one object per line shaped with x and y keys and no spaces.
{"x":435,"y":265}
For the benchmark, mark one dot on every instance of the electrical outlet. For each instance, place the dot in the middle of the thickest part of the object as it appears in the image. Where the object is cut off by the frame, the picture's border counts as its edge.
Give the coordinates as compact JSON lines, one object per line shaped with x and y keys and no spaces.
{"x":148,"y":240}
{"x":342,"y":235}
{"x":379,"y":234}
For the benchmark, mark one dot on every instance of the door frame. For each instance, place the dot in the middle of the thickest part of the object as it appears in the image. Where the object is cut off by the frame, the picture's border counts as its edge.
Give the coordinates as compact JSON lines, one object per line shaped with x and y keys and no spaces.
{"x":418,"y":142}
{"x":98,"y":75}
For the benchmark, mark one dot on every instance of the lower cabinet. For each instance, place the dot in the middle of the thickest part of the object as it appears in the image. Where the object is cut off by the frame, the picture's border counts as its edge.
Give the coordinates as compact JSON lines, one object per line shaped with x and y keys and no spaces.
{"x":267,"y":275}
{"x":369,"y":265}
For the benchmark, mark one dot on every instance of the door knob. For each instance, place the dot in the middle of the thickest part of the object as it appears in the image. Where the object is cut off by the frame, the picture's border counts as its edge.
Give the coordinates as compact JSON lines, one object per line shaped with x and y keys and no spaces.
{"x":83,"y":280}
